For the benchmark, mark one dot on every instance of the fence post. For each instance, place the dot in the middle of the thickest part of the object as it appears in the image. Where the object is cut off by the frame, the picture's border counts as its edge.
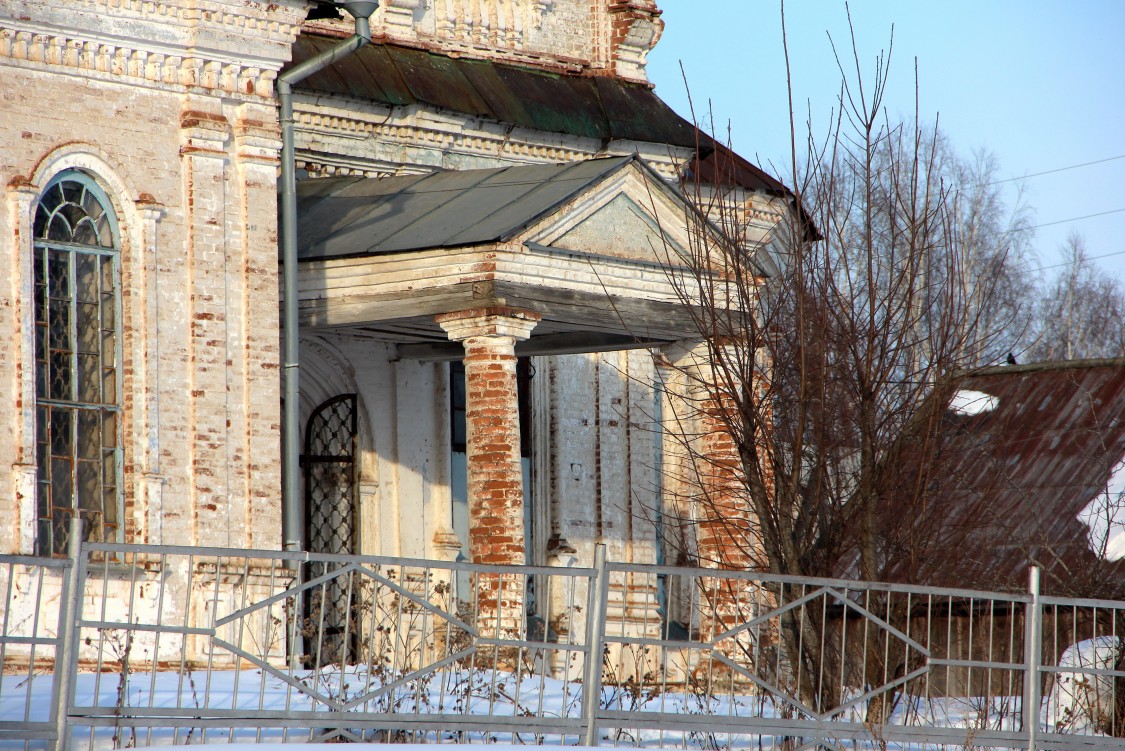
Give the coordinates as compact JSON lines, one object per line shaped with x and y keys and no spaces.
{"x":66,"y":654}
{"x":1032,"y":636}
{"x":595,"y":643}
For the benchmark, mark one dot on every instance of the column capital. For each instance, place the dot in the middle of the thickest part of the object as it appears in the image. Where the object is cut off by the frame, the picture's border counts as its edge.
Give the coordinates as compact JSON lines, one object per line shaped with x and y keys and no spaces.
{"x":488,"y":322}
{"x":684,"y":353}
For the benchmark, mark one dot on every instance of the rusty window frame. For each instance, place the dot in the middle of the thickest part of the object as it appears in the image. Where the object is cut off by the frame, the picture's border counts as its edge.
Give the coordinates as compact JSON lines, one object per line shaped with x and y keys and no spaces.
{"x":78,"y":354}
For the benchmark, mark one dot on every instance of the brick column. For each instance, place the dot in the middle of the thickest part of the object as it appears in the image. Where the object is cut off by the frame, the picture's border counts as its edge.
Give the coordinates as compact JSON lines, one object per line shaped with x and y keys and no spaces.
{"x":492,"y":428}
{"x":725,"y":525}
{"x":713,"y":478}
{"x":492,"y":452}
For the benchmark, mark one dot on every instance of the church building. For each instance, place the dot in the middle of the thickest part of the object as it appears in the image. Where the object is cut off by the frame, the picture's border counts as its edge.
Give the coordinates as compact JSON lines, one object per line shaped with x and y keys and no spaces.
{"x":490,"y":203}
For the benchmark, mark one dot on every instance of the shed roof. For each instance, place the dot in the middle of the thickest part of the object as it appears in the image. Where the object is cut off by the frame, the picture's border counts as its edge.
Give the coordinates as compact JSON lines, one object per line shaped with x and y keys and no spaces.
{"x":354,"y":216}
{"x":1008,"y":481}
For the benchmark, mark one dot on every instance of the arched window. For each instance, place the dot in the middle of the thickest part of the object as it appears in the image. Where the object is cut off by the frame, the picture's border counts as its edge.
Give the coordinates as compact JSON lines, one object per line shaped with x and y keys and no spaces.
{"x":77,"y":362}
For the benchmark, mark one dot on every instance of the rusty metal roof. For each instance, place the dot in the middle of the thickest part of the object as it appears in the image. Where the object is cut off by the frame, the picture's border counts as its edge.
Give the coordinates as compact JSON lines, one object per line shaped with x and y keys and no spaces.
{"x":604,"y":108}
{"x":719,"y":164}
{"x":355,"y":216}
{"x":1007,"y":484}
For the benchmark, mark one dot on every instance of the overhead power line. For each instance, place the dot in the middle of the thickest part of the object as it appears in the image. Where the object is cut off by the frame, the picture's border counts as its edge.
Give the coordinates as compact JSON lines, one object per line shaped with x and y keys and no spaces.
{"x":1057,"y":169}
{"x":1085,"y":258}
{"x":1071,"y":219}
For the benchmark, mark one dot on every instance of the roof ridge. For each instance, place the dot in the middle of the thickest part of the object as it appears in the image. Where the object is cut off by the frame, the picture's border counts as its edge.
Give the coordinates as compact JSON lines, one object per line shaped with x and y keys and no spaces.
{"x":1046,"y":365}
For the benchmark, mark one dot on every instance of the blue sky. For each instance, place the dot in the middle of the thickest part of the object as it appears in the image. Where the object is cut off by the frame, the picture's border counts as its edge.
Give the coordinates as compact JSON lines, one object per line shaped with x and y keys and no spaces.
{"x":1040,"y":84}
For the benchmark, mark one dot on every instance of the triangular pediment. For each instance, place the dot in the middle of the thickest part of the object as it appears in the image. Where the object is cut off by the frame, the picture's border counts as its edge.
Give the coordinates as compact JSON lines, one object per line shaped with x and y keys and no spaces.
{"x":619,"y":228}
{"x":586,"y":245}
{"x":632,"y":215}
{"x":612,"y":206}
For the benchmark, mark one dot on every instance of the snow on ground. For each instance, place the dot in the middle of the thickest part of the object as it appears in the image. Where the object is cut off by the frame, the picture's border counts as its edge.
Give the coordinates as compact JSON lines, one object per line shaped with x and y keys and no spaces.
{"x":358,"y":747}
{"x":1079,"y":701}
{"x":534,"y":696}
{"x":1071,"y":706}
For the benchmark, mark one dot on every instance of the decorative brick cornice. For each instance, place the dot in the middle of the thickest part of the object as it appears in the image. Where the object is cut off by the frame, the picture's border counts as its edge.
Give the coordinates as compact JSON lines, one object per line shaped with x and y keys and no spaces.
{"x":204,"y":133}
{"x":468,"y":27}
{"x":263,"y":18}
{"x":257,"y":142}
{"x":232,"y":46}
{"x":409,"y":130}
{"x":116,"y":63}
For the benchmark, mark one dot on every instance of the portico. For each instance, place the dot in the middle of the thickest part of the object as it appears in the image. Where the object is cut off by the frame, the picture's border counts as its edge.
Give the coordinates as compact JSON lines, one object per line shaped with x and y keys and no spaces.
{"x":486,"y":266}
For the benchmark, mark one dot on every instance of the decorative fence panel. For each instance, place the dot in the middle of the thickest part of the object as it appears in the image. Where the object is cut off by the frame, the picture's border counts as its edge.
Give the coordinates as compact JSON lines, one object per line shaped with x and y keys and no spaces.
{"x":35,"y":591}
{"x":137,"y":645}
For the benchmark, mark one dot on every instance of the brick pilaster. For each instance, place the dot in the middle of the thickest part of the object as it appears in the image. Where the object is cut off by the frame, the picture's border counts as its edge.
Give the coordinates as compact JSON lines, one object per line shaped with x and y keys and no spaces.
{"x":714,"y":480}
{"x":17,"y":368}
{"x":205,"y":133}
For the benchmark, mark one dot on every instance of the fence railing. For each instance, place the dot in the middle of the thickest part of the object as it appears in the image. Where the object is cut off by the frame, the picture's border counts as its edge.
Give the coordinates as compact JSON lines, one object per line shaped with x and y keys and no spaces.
{"x":125,"y":645}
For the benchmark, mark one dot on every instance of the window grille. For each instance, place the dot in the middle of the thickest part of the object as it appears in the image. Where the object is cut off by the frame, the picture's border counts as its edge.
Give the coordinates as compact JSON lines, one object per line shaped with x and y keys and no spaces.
{"x":77,"y":363}
{"x":330,"y":506}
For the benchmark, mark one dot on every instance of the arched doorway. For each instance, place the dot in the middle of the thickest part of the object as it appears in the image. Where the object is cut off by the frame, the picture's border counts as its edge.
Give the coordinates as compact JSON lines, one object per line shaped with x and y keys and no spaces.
{"x":329,"y":464}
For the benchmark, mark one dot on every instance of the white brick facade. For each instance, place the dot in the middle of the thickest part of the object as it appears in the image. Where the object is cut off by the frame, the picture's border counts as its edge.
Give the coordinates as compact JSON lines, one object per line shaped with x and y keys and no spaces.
{"x":169,"y":106}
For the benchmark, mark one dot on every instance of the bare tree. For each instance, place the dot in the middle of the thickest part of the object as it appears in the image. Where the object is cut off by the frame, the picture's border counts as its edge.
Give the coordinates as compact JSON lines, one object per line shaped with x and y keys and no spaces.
{"x":1082,"y":312}
{"x":827,"y":320}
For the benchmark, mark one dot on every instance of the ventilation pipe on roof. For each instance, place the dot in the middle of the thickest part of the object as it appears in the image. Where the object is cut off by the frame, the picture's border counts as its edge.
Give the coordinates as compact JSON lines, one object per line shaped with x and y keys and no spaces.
{"x":292,"y":510}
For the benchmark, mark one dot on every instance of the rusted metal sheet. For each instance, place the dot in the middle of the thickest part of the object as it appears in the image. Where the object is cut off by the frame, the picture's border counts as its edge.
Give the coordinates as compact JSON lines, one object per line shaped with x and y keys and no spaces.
{"x":374,"y":72}
{"x":1004,"y":488}
{"x":380,"y":66}
{"x":600,"y":107}
{"x":720,"y":165}
{"x":504,"y":103}
{"x":560,"y":104}
{"x":339,"y":79}
{"x":437,"y":80}
{"x":371,"y":75}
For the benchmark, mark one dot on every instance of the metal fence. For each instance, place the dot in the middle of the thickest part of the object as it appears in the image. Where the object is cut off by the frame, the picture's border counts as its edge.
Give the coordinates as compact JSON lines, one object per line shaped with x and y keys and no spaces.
{"x":139,"y":645}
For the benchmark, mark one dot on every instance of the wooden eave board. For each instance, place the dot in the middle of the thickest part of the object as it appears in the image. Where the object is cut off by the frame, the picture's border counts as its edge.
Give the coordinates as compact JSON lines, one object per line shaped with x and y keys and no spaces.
{"x":599,"y":293}
{"x":411,"y":272}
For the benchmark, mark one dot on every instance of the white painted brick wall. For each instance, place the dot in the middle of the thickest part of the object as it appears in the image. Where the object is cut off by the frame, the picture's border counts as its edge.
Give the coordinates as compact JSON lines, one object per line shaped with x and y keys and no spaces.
{"x":200,"y":346}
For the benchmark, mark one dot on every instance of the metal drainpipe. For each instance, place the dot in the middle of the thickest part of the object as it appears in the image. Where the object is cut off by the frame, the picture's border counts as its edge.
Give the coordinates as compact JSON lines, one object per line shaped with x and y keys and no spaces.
{"x":292,"y":516}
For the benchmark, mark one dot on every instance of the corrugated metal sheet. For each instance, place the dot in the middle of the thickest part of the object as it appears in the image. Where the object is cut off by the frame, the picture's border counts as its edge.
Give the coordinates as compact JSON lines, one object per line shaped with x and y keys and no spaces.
{"x":352,"y":216}
{"x":1006,"y":486}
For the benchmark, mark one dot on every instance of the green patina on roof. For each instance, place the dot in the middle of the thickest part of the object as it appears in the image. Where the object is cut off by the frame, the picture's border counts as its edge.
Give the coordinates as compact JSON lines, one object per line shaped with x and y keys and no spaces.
{"x":598,"y":107}
{"x":603,"y":108}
